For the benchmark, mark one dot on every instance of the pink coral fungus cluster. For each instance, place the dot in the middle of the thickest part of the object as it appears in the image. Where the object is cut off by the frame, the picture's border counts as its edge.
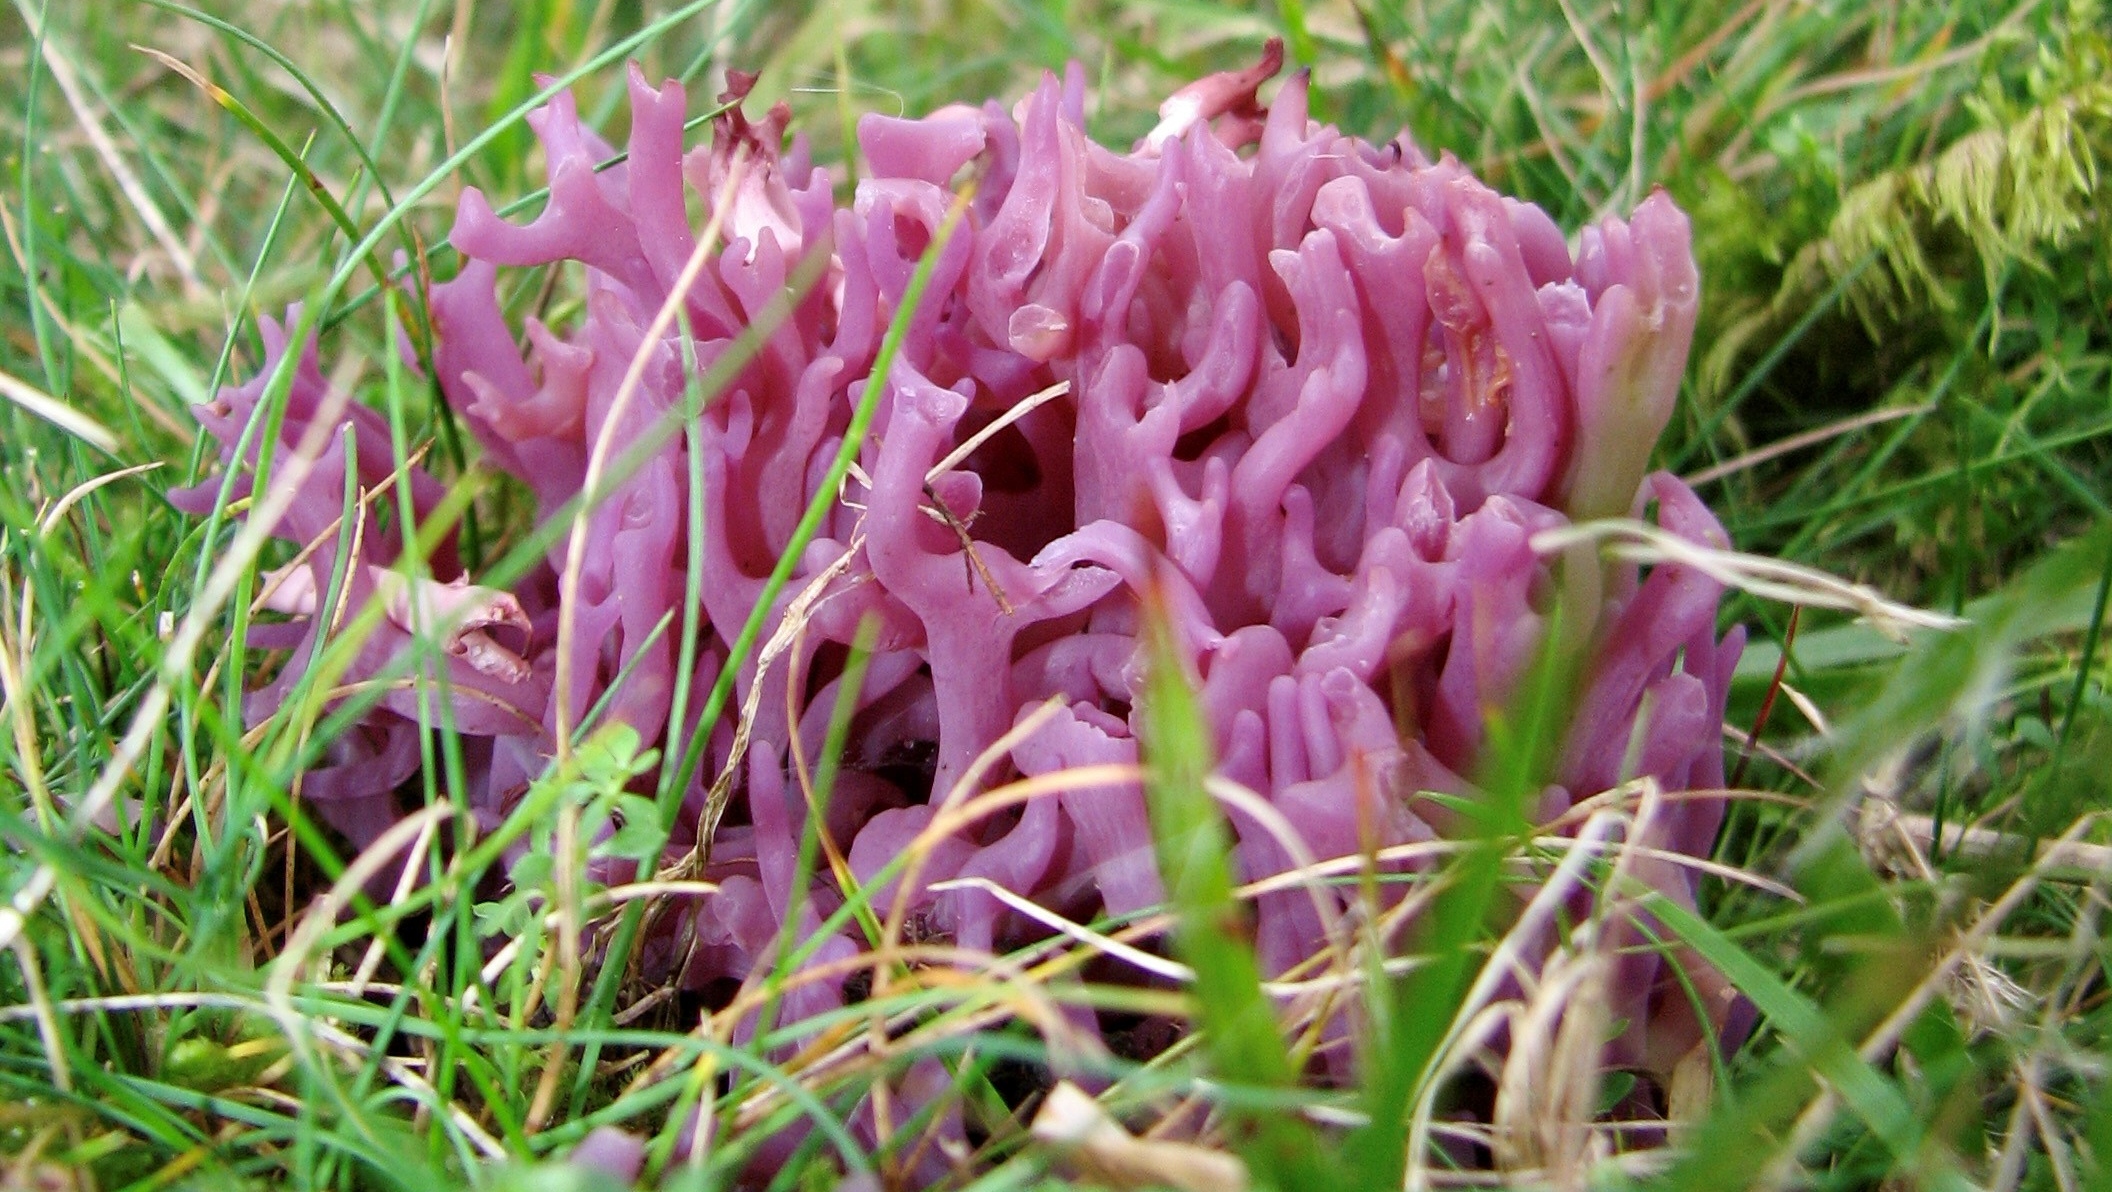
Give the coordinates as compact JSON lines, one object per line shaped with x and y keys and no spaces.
{"x":1311,"y":395}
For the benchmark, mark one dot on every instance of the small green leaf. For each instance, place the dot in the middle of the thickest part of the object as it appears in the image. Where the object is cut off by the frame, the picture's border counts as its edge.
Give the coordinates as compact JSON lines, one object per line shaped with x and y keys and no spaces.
{"x":640,"y":836}
{"x":1612,"y":1088}
{"x":531,"y":871}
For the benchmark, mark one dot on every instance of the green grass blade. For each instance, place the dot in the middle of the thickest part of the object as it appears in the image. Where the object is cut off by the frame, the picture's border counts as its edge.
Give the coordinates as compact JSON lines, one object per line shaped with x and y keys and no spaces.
{"x":1241,"y":1035}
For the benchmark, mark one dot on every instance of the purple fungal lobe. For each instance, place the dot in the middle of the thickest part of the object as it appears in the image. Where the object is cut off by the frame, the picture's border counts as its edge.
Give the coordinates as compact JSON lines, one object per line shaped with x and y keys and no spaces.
{"x":1316,"y":395}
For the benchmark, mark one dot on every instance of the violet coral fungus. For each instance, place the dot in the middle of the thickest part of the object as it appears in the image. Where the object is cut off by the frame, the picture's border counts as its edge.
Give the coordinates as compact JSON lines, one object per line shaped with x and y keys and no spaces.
{"x":1316,"y":395}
